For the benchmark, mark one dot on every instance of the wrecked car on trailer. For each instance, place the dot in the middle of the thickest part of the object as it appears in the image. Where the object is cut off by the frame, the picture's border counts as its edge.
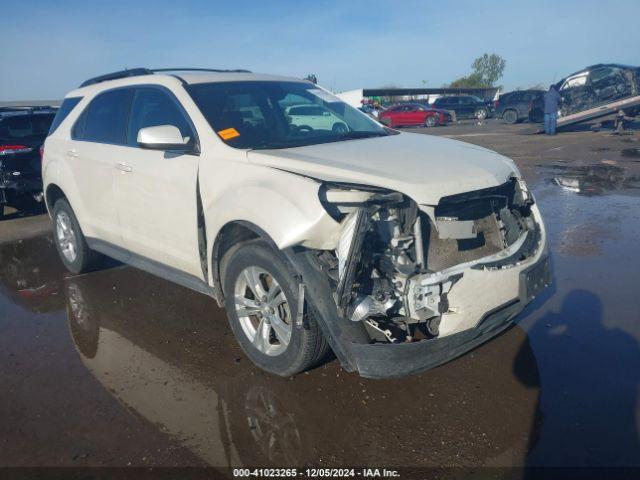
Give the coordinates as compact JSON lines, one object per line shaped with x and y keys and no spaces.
{"x":397,"y":251}
{"x":595,"y":92}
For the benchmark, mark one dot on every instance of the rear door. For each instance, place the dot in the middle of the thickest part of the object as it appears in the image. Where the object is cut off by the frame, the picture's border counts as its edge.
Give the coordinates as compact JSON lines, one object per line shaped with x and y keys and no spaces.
{"x":156,"y":190}
{"x":97,"y":145}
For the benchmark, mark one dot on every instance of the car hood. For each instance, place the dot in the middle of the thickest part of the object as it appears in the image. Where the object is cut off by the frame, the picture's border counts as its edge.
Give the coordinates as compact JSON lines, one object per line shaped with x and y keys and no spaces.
{"x":424,"y":167}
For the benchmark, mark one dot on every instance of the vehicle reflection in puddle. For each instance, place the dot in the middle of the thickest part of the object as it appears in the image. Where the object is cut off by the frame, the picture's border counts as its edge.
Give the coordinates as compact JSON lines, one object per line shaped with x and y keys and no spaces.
{"x":167,"y":355}
{"x":30,"y":274}
{"x":595,"y":179}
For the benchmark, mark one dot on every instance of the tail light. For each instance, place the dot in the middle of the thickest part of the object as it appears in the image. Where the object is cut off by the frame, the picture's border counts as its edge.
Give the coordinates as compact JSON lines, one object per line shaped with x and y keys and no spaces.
{"x":13,"y":149}
{"x":496,"y":104}
{"x":41,"y":151}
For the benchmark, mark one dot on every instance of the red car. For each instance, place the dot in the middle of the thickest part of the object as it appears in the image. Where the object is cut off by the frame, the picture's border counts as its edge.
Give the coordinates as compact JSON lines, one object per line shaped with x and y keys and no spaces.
{"x":412,"y":114}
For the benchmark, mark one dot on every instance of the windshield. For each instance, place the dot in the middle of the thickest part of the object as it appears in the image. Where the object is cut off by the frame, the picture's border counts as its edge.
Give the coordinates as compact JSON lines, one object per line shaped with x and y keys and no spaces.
{"x":261,"y":115}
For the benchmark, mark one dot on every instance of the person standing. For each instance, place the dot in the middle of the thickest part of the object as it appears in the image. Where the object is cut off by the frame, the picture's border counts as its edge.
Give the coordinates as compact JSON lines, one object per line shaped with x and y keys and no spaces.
{"x":551,"y":101}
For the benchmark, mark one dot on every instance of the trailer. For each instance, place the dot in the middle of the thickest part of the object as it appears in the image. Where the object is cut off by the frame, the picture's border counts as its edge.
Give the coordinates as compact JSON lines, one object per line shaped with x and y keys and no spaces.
{"x":600,"y":112}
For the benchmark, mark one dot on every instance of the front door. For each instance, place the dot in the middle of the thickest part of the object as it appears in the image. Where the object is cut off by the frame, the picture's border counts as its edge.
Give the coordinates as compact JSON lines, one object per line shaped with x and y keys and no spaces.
{"x":156,"y":190}
{"x":415,"y":115}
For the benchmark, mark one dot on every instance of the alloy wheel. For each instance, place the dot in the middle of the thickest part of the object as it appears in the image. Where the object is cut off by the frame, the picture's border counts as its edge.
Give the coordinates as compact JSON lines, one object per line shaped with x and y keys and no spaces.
{"x":263,"y":311}
{"x":66,"y":237}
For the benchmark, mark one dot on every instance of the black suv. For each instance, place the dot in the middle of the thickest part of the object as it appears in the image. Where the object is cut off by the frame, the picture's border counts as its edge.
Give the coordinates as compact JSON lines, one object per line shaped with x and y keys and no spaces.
{"x":22,"y":133}
{"x":464,"y":106}
{"x":515,"y":106}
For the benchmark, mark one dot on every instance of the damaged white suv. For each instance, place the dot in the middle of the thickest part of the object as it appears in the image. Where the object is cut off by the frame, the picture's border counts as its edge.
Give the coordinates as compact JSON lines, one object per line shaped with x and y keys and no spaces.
{"x":397,"y":251}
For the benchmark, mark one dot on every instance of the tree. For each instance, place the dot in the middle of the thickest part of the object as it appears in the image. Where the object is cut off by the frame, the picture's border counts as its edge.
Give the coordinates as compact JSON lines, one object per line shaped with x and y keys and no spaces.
{"x":487,"y":70}
{"x":470,"y":81}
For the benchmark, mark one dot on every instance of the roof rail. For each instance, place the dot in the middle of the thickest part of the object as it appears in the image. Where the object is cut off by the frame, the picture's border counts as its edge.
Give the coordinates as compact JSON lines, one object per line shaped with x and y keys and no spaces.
{"x":216,"y":70}
{"x":134,"y":72}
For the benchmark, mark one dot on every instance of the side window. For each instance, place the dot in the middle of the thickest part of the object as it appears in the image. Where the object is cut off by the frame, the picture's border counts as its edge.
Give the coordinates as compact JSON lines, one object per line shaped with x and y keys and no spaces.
{"x":68,"y":104}
{"x":578,"y":80}
{"x":152,"y":107}
{"x":600,"y":74}
{"x":465,"y":100}
{"x":105,"y":118}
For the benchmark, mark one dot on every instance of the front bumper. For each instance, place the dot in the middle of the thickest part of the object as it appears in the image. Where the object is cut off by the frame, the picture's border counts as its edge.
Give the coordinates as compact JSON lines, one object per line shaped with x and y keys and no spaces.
{"x":387,"y":360}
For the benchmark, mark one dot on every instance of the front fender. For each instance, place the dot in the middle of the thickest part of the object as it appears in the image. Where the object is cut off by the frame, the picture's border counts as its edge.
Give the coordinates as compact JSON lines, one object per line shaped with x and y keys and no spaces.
{"x":283,"y":205}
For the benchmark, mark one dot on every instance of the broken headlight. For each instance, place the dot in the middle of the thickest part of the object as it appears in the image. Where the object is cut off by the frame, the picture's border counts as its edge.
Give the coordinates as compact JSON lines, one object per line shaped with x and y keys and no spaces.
{"x":340,"y":199}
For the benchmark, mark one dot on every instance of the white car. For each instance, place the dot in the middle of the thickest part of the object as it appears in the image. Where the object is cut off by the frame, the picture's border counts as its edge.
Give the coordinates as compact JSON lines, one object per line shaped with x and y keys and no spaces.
{"x":397,"y":251}
{"x":311,"y":116}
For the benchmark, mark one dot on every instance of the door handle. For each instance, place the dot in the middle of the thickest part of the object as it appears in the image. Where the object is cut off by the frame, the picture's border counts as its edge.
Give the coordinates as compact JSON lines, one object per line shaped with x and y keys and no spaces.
{"x":123,"y":167}
{"x":72,"y":153}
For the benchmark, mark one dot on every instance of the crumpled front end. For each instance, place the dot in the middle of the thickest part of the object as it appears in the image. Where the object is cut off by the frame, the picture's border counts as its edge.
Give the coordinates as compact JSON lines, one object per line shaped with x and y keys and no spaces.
{"x":428,"y":283}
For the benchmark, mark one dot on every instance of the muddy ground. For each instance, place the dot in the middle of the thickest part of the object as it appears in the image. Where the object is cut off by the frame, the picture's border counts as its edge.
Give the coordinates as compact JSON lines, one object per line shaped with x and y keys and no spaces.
{"x":119,"y":368}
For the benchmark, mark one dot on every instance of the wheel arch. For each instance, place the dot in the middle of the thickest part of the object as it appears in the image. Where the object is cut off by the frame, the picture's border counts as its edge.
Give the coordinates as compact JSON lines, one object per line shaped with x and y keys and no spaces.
{"x":514,"y":108}
{"x":233,"y":233}
{"x":53,"y":193}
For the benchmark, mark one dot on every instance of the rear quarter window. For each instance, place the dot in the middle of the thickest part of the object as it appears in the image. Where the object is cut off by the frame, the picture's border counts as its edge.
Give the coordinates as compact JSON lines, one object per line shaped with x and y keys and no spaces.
{"x":68,"y":104}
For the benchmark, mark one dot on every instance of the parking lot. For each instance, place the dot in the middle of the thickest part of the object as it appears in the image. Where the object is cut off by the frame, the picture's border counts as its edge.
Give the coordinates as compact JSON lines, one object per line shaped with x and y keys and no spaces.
{"x":119,"y":368}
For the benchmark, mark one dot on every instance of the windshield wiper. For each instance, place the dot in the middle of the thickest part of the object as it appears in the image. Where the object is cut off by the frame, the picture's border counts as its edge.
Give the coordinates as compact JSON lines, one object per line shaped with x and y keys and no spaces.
{"x":355,"y":135}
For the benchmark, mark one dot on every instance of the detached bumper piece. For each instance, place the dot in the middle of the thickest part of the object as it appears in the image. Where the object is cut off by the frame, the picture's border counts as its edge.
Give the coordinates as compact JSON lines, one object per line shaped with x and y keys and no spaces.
{"x":387,"y":360}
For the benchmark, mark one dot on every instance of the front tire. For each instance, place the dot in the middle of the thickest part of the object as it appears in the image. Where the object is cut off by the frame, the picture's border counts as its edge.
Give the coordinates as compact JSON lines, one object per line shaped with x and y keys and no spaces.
{"x":261,"y":299}
{"x":431,"y":121}
{"x":481,"y":113}
{"x":340,"y":128}
{"x":71,"y":244}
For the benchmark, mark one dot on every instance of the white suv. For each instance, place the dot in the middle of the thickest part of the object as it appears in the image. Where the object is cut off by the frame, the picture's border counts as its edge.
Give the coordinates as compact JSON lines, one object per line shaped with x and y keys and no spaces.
{"x":397,"y":251}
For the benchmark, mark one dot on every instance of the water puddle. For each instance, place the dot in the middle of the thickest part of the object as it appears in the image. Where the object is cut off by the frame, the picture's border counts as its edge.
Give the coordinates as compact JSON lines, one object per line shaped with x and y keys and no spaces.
{"x":597,"y":179}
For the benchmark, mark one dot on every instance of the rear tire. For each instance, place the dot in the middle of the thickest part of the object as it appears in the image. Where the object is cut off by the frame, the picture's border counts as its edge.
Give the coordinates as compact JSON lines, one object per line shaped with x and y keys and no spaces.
{"x":261,"y":299}
{"x":71,"y":244}
{"x":510,"y":117}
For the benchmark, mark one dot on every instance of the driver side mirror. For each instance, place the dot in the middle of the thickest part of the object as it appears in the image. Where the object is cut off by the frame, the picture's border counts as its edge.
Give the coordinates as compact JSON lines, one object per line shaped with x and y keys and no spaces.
{"x":163,"y":137}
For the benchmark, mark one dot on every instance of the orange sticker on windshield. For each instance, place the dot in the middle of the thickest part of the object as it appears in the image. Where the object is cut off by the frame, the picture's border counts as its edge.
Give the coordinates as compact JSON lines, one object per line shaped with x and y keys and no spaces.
{"x":228,"y":133}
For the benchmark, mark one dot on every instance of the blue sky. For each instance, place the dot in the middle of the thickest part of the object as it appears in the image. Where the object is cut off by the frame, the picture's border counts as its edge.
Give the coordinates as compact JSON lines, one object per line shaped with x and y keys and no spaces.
{"x":49,"y":47}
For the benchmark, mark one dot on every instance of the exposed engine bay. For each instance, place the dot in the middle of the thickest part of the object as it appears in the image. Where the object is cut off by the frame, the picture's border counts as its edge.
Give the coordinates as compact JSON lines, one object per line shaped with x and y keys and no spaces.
{"x":397,"y":262}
